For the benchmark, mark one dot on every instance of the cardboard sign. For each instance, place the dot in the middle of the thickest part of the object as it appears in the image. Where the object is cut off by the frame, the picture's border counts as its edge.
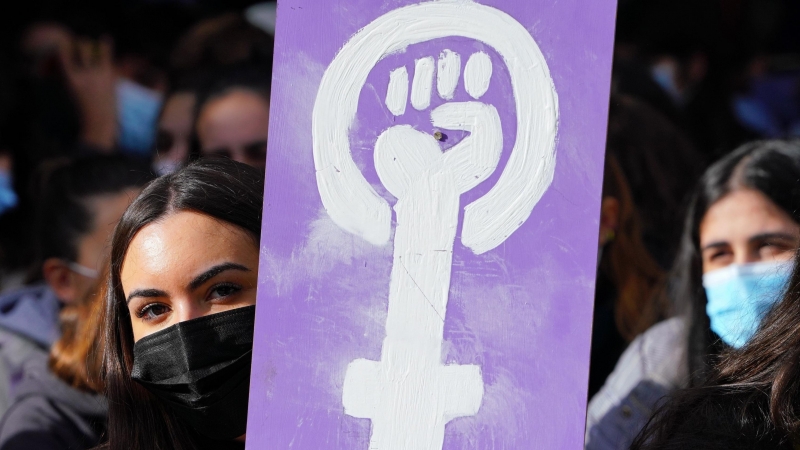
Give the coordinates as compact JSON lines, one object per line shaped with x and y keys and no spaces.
{"x":430,"y":224}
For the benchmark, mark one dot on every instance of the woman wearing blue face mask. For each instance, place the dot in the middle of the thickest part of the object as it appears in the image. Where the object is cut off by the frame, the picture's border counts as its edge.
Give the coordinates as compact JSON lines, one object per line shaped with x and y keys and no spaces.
{"x":741,"y":233}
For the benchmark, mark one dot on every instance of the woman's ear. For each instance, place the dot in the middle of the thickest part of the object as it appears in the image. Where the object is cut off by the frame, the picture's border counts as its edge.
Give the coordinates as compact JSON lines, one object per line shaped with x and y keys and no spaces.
{"x":609,"y":219}
{"x":61,"y":279}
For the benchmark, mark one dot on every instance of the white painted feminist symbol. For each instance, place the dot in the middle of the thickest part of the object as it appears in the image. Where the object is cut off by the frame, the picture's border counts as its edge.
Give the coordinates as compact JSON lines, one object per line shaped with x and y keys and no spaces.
{"x":410,"y":395}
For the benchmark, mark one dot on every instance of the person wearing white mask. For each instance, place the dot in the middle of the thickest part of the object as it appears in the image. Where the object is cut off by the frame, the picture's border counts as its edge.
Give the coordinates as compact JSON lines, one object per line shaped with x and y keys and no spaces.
{"x":49,"y":350}
{"x":741,"y":234}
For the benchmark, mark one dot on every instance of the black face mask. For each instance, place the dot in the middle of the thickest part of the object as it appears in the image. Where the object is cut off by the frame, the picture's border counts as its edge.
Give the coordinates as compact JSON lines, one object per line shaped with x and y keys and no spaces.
{"x":201,"y":369}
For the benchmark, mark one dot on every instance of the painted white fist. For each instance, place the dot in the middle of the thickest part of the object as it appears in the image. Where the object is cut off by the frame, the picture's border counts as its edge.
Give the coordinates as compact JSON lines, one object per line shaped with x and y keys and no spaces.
{"x":403,"y":154}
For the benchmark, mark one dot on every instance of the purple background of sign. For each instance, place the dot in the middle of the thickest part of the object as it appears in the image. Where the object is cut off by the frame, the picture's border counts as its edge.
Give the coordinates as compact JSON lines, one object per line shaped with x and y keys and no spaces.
{"x":522,"y":311}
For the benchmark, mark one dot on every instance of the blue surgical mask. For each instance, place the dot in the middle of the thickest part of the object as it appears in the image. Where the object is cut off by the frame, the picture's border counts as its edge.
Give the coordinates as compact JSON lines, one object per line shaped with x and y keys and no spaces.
{"x":665,"y":75}
{"x":137,"y":115}
{"x":740,"y":295}
{"x":8,"y":198}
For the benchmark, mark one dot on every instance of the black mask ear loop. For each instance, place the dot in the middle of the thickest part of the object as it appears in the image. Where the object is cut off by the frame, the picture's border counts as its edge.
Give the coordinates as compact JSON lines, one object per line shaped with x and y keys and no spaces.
{"x":200,"y":369}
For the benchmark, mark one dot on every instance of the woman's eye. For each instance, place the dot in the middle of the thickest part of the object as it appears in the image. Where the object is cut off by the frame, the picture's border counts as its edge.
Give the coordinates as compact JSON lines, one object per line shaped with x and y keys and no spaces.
{"x":769,"y":249}
{"x":152,"y":311}
{"x":718,"y":254}
{"x":224,"y":290}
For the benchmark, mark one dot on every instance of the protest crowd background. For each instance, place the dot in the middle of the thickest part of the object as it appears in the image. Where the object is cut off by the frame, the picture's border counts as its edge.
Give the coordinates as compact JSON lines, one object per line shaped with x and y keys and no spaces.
{"x":702,"y":175}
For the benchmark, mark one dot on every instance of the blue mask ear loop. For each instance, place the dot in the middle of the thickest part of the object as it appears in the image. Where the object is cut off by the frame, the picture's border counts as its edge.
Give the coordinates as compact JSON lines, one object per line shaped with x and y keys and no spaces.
{"x":83,"y":270}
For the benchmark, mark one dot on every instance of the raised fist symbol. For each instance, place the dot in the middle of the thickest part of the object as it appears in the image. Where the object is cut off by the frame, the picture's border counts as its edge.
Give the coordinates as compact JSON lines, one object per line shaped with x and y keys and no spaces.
{"x":403,"y":154}
{"x":410,"y":394}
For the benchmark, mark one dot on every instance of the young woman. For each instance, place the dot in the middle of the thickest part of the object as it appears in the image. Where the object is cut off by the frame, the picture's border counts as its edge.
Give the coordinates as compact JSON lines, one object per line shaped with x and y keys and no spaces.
{"x":750,"y":401}
{"x":232,"y":118}
{"x":56,"y":400}
{"x":180,"y":310}
{"x":741,"y":234}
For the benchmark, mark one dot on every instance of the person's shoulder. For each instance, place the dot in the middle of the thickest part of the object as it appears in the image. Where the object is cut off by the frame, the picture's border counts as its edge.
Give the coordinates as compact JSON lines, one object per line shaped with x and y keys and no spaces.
{"x":29,"y":421}
{"x":662,"y":350}
{"x":667,"y":331}
{"x":662,"y":343}
{"x":47,"y":420}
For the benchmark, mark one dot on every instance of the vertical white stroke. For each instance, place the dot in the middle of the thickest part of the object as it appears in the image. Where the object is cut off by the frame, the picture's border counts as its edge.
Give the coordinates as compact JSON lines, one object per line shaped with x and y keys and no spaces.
{"x":448,"y":74}
{"x":423,"y":83}
{"x":397,"y":92}
{"x":478,"y":74}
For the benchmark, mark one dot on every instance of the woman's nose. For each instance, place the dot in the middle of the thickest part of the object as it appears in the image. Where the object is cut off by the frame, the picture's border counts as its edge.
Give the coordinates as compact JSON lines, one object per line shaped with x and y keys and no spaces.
{"x":187,"y":310}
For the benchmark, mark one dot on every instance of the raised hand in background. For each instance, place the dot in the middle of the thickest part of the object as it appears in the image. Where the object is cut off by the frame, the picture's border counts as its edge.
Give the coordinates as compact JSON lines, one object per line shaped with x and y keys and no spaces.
{"x":89,"y":72}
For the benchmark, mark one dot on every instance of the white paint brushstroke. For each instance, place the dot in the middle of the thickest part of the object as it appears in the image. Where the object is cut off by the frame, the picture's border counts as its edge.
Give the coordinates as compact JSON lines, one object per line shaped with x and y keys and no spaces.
{"x":409,"y":152}
{"x":475,"y":158}
{"x":397,"y":92}
{"x":478,"y":74}
{"x":423,"y":84}
{"x":449,"y":71}
{"x":349,"y":199}
{"x":410,"y":395}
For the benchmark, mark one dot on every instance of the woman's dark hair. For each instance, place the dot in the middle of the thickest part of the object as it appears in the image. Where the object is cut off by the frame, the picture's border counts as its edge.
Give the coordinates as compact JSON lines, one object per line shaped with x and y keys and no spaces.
{"x":220,"y":188}
{"x":636,"y":276}
{"x":769,"y":167}
{"x":751,"y":400}
{"x":661,"y":167}
{"x":64,"y":211}
{"x":222,"y":41}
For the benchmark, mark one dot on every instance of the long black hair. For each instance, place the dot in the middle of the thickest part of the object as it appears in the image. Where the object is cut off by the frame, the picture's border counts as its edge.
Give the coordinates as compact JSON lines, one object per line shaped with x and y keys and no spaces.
{"x":217,"y":187}
{"x":769,"y":167}
{"x":751,"y":400}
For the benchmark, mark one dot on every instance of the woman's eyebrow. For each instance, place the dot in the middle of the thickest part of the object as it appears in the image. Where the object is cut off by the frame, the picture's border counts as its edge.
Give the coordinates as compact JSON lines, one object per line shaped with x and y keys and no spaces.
{"x":773,"y":235}
{"x":716,"y":244}
{"x":146,"y":293}
{"x":214,"y":271}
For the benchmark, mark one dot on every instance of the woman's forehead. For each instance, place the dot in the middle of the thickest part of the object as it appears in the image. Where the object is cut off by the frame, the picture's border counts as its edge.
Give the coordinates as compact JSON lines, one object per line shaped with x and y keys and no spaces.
{"x":181,"y":243}
{"x":742,"y":214}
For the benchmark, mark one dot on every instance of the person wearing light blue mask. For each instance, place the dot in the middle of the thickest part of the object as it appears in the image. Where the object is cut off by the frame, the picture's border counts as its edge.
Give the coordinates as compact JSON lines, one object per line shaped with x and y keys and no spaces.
{"x":137,"y":114}
{"x":8,"y":197}
{"x":740,"y":295}
{"x":741,"y":234}
{"x":43,"y":327}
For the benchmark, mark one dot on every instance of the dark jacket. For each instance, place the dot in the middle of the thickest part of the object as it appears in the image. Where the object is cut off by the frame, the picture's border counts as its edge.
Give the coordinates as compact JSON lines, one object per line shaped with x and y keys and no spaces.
{"x":28,"y":327}
{"x":49,"y":414}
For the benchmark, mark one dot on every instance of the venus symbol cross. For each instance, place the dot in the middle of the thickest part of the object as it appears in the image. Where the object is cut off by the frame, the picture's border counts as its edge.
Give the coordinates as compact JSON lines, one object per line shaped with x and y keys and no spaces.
{"x":410,"y":395}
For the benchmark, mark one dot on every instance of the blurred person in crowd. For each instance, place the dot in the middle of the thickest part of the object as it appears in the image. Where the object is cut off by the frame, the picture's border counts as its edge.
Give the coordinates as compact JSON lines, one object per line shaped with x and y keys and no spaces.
{"x":8,"y":195}
{"x":628,"y":279}
{"x":184,"y":263}
{"x":103,"y":74}
{"x":174,"y":133}
{"x":741,"y":233}
{"x":768,"y":102}
{"x":661,"y":167}
{"x":174,"y":137}
{"x":749,"y":402}
{"x":233,"y":116}
{"x":221,"y":41}
{"x":55,"y":404}
{"x":681,"y":57}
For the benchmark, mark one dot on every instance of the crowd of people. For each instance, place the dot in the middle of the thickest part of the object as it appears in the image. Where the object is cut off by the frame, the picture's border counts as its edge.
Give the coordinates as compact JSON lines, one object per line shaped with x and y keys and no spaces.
{"x":132,"y":158}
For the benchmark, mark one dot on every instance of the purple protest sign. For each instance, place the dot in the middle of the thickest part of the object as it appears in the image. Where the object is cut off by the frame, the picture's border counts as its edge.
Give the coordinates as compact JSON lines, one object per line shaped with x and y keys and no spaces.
{"x":430,"y":224}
